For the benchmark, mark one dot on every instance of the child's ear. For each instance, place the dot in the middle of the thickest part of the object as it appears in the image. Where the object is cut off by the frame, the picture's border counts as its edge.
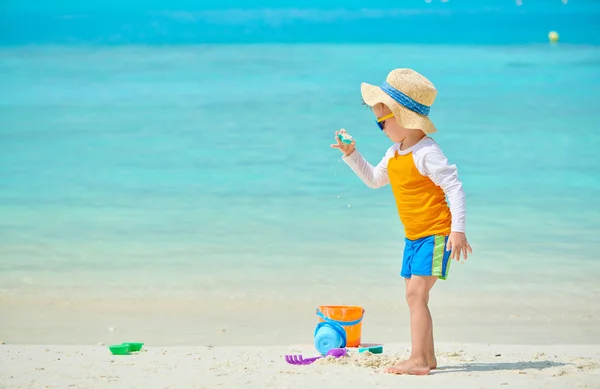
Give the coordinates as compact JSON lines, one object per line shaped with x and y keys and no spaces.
{"x":378,"y":109}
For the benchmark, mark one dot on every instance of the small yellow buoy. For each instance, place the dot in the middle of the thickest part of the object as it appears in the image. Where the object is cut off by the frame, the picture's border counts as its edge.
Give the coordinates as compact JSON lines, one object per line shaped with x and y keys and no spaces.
{"x":553,"y":36}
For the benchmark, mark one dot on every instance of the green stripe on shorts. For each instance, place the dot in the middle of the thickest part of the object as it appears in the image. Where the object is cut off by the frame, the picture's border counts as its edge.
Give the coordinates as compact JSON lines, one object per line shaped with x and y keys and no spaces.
{"x":438,"y":255}
{"x":447,"y":268}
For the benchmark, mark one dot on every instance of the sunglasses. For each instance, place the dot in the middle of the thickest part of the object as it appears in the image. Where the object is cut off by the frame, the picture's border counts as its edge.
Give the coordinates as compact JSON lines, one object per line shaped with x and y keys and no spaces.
{"x":381,"y":120}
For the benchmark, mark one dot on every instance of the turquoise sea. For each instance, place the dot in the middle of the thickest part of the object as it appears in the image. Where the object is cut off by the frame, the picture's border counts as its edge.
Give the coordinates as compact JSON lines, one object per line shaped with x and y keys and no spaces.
{"x":198,"y":179}
{"x":126,"y":156}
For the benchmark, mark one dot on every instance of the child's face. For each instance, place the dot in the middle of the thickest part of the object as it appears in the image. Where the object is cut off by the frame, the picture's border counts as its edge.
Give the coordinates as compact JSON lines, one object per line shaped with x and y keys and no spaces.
{"x":391,"y":128}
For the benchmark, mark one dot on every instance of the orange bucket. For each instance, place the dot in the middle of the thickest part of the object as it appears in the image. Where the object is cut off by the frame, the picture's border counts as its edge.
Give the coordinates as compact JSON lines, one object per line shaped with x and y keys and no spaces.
{"x":349,"y":317}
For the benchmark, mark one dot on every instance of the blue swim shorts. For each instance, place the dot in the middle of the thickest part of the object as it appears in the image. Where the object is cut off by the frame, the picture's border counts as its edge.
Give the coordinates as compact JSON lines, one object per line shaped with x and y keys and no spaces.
{"x":426,"y":257}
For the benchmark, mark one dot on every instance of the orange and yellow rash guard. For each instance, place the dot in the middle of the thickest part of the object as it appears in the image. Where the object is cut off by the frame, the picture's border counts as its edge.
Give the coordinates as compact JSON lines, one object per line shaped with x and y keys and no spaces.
{"x":421,"y":180}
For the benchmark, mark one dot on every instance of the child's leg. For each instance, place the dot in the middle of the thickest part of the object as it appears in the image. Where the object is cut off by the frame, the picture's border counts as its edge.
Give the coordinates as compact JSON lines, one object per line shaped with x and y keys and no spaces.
{"x":431,"y":356}
{"x":431,"y":349}
{"x":417,"y":296}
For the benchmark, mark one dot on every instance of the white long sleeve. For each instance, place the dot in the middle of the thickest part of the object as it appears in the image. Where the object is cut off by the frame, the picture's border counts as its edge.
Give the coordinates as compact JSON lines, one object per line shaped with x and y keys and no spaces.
{"x":431,"y":162}
{"x":373,"y":176}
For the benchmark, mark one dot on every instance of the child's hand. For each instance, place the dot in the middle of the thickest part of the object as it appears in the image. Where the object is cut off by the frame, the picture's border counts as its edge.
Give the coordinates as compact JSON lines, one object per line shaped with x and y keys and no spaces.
{"x":457,"y":242}
{"x":346,"y":148}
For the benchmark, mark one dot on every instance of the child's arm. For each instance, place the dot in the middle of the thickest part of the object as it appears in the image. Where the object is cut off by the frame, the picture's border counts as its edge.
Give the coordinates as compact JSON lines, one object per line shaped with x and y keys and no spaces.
{"x":373,"y":176}
{"x":435,"y":165}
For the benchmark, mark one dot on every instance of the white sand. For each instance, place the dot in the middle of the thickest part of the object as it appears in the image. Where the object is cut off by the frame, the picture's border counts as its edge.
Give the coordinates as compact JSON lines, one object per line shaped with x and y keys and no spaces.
{"x":460,"y":366}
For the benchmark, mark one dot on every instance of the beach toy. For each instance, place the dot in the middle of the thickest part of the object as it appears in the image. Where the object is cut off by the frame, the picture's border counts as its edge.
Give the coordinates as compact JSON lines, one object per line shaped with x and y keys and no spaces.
{"x":348,"y":317}
{"x":377,"y":349}
{"x":119,"y":349}
{"x":345,"y":137}
{"x":298,"y":360}
{"x":134,"y":346}
{"x":329,"y":335}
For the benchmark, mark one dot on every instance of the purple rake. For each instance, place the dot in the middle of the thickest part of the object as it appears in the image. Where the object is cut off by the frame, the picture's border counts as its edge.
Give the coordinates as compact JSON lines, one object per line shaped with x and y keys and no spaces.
{"x":298,"y":360}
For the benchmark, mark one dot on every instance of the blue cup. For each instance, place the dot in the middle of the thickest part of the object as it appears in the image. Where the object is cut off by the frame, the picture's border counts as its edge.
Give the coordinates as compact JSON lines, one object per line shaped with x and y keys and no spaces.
{"x":329,"y":335}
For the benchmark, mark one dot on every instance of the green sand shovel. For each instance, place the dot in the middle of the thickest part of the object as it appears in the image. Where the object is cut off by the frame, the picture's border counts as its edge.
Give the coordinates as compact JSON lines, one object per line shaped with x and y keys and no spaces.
{"x":125,"y":348}
{"x":119,"y":349}
{"x":134,"y":346}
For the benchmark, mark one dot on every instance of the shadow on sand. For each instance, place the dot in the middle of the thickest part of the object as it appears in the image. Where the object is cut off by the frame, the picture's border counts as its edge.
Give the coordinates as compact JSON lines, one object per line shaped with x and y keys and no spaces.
{"x":498,"y":366}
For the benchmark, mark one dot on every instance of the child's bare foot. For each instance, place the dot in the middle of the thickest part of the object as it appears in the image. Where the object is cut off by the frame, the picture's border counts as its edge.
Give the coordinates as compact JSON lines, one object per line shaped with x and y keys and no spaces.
{"x":410,"y":366}
{"x":433,"y":363}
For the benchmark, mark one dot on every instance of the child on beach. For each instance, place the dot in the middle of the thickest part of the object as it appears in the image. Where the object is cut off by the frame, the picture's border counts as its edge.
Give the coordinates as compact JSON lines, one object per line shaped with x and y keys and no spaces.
{"x":421,"y":179}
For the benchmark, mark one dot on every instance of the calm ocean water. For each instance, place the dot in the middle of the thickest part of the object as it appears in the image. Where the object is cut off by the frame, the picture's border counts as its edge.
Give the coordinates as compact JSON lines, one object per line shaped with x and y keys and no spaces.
{"x":206,"y":160}
{"x":165,"y":169}
{"x":198,"y":180}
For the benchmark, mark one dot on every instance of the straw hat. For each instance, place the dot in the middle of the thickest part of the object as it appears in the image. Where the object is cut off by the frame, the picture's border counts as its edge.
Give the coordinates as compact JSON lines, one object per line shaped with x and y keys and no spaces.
{"x":408,"y":94}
